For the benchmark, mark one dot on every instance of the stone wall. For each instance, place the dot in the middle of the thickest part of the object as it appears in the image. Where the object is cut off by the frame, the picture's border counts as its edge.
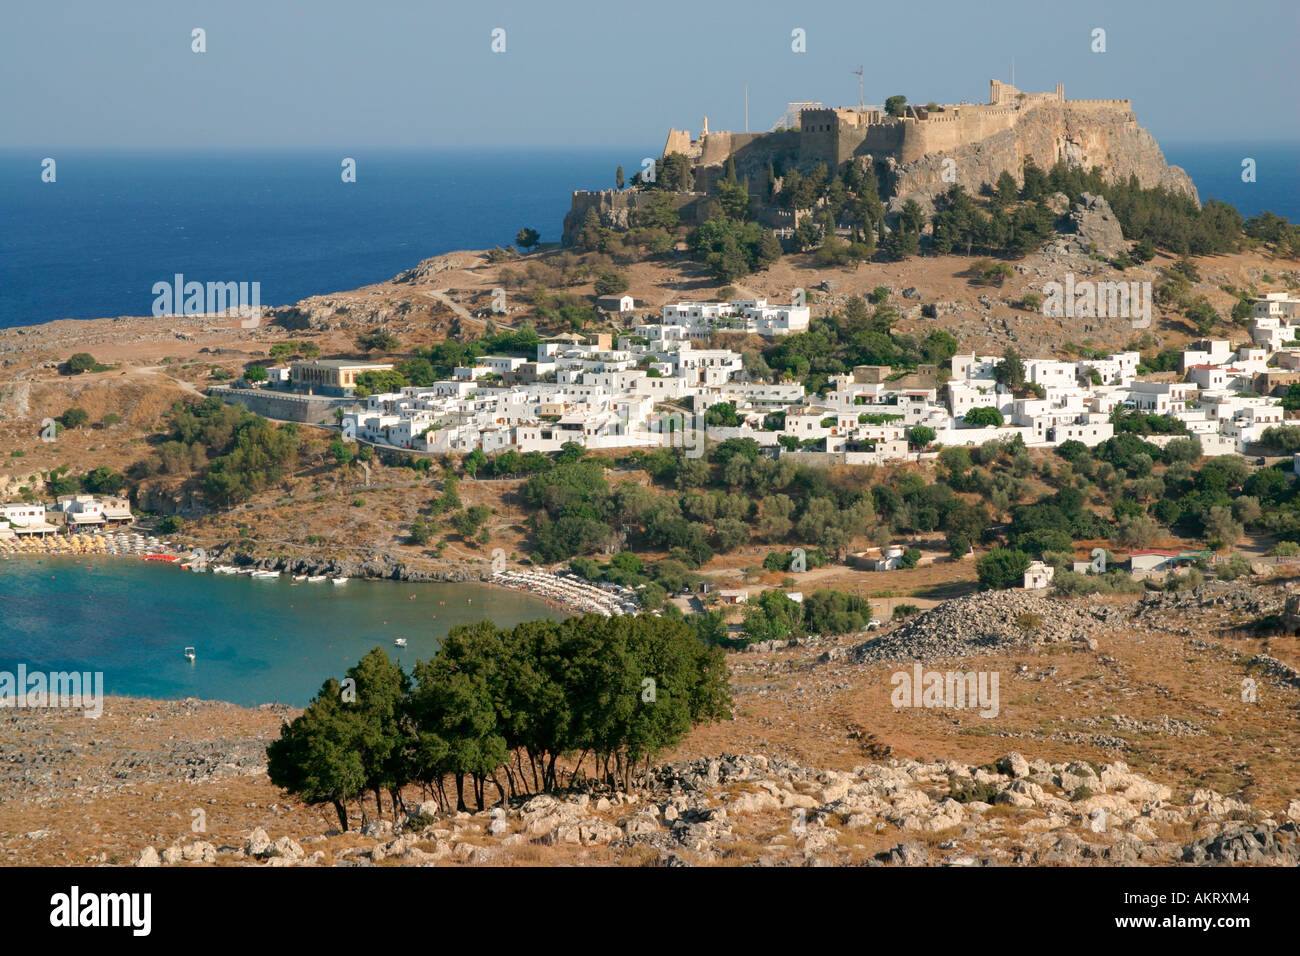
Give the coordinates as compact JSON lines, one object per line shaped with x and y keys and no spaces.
{"x":282,"y":406}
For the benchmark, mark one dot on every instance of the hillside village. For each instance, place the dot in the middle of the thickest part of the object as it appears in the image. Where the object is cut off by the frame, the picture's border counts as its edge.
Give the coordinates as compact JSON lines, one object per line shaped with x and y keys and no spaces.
{"x":656,"y":388}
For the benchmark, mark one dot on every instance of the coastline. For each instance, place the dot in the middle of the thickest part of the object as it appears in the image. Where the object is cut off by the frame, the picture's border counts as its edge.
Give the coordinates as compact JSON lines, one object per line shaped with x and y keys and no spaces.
{"x":559,"y":591}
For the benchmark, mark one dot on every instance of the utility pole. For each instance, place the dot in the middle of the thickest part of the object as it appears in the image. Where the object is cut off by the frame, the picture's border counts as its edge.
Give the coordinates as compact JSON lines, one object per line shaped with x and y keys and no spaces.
{"x":858,"y":71}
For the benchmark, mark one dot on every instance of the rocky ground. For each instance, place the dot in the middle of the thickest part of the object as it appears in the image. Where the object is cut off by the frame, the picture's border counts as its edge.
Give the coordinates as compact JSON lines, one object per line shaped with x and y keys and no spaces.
{"x":1132,"y":745}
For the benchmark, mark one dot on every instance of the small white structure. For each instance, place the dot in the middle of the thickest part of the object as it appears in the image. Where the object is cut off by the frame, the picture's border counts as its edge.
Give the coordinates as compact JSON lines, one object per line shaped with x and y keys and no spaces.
{"x":1038,"y":576}
{"x":615,"y":303}
{"x":728,"y":596}
{"x":893,"y":559}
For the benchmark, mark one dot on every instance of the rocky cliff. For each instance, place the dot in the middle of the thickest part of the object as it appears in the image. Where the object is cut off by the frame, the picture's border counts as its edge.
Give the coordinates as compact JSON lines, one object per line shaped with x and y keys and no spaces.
{"x":1082,"y":137}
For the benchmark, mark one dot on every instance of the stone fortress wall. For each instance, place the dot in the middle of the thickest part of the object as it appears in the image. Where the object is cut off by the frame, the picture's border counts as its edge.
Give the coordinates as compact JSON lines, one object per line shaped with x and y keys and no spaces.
{"x":911,"y":153}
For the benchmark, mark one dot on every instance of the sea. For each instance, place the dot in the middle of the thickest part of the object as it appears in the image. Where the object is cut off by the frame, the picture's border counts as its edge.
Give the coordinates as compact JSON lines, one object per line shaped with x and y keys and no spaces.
{"x":94,"y":242}
{"x":255,"y":641}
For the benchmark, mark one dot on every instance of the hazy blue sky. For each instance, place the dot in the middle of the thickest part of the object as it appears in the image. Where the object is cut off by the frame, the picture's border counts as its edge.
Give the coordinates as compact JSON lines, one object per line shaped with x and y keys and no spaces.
{"x":386,"y":73}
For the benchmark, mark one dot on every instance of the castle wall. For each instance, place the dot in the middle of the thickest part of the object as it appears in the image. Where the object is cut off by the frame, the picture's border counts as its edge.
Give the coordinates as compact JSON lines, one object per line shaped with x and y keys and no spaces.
{"x":679,"y":141}
{"x":947,"y":131}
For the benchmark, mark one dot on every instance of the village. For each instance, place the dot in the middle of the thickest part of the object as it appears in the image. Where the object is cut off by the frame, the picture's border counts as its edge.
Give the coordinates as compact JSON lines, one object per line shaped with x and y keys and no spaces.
{"x":656,"y":387}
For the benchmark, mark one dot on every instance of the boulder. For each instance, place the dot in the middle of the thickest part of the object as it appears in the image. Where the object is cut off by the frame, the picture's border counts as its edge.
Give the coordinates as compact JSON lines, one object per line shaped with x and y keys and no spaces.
{"x":1013,"y":765}
{"x":258,"y":843}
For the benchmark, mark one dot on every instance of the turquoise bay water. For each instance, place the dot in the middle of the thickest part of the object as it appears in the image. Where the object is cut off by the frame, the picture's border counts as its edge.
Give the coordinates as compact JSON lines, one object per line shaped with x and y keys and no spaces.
{"x":256,"y":641}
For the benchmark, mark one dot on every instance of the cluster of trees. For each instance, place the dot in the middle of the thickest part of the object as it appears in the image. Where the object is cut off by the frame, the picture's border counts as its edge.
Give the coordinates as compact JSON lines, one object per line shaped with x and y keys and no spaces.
{"x":1151,"y":492}
{"x":502,"y":708}
{"x":723,"y":500}
{"x":773,"y":616}
{"x":235,"y":453}
{"x":732,"y":249}
{"x":438,"y":361}
{"x":291,"y":349}
{"x":860,"y":335}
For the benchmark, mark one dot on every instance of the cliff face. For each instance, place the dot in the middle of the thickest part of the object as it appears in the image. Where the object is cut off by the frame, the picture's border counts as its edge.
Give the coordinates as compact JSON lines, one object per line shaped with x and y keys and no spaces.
{"x":1082,"y":136}
{"x":615,"y":207}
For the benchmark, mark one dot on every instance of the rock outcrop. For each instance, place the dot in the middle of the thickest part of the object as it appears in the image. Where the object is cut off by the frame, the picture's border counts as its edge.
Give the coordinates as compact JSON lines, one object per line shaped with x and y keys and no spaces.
{"x":772,"y":812}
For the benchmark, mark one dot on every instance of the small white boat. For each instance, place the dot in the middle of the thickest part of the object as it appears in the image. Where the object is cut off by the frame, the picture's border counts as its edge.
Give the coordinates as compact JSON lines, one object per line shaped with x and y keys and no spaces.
{"x":224,"y":569}
{"x":339,"y":580}
{"x":189,"y":654}
{"x":400,"y":642}
{"x":315,"y":578}
{"x":300,"y":577}
{"x":266,"y":574}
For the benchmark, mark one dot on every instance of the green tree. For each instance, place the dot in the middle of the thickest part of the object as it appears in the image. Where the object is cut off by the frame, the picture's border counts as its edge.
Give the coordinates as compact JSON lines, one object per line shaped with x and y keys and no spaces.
{"x":317,"y":757}
{"x":610,"y":282}
{"x":1011,"y":370}
{"x":256,"y":373}
{"x":984,"y":417}
{"x":896,"y":105}
{"x":377,"y":340}
{"x":527,"y":238}
{"x":618,"y":178}
{"x":74,"y":417}
{"x":921,"y":436}
{"x":1001,"y":568}
{"x":82,"y":362}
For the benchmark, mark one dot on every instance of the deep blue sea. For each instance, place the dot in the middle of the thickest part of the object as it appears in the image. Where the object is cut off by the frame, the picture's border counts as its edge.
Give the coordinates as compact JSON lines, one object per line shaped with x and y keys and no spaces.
{"x":93,"y":243}
{"x":255,"y":641}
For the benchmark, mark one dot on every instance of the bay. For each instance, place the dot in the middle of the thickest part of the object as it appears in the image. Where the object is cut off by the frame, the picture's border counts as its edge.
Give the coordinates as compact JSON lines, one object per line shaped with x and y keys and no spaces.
{"x":256,"y":641}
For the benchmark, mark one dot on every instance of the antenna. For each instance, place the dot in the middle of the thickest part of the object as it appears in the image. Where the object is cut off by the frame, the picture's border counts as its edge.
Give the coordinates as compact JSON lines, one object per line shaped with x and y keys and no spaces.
{"x":746,"y":107}
{"x":858,"y":71}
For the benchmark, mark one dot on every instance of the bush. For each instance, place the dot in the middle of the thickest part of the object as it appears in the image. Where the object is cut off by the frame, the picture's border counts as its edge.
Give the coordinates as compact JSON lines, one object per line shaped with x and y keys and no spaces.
{"x":610,"y":282}
{"x":83,"y":362}
{"x":74,"y":418}
{"x":1002,"y":568}
{"x":910,"y":557}
{"x":905,"y":610}
{"x":1235,"y":567}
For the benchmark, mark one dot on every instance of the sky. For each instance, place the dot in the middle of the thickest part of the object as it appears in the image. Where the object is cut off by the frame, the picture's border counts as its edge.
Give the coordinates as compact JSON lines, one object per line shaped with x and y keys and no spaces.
{"x":282,"y":74}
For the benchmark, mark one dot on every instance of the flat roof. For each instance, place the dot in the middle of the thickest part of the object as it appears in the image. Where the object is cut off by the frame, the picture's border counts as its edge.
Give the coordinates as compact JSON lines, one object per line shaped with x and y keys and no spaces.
{"x":340,"y":363}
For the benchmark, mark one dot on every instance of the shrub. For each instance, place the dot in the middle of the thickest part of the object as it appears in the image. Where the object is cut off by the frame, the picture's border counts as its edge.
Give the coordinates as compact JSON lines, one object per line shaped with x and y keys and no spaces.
{"x":905,"y":610}
{"x":1002,"y":568}
{"x":74,"y":418}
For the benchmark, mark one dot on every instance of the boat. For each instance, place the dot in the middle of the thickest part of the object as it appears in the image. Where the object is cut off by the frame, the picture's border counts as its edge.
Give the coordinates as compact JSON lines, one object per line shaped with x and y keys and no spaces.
{"x":315,"y":578}
{"x":300,"y":577}
{"x":189,"y":654}
{"x":400,"y":642}
{"x":266,"y":574}
{"x":339,"y":580}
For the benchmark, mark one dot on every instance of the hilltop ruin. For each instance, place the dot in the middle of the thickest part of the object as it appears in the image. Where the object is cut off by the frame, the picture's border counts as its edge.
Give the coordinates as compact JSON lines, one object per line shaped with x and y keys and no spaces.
{"x":918,"y":154}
